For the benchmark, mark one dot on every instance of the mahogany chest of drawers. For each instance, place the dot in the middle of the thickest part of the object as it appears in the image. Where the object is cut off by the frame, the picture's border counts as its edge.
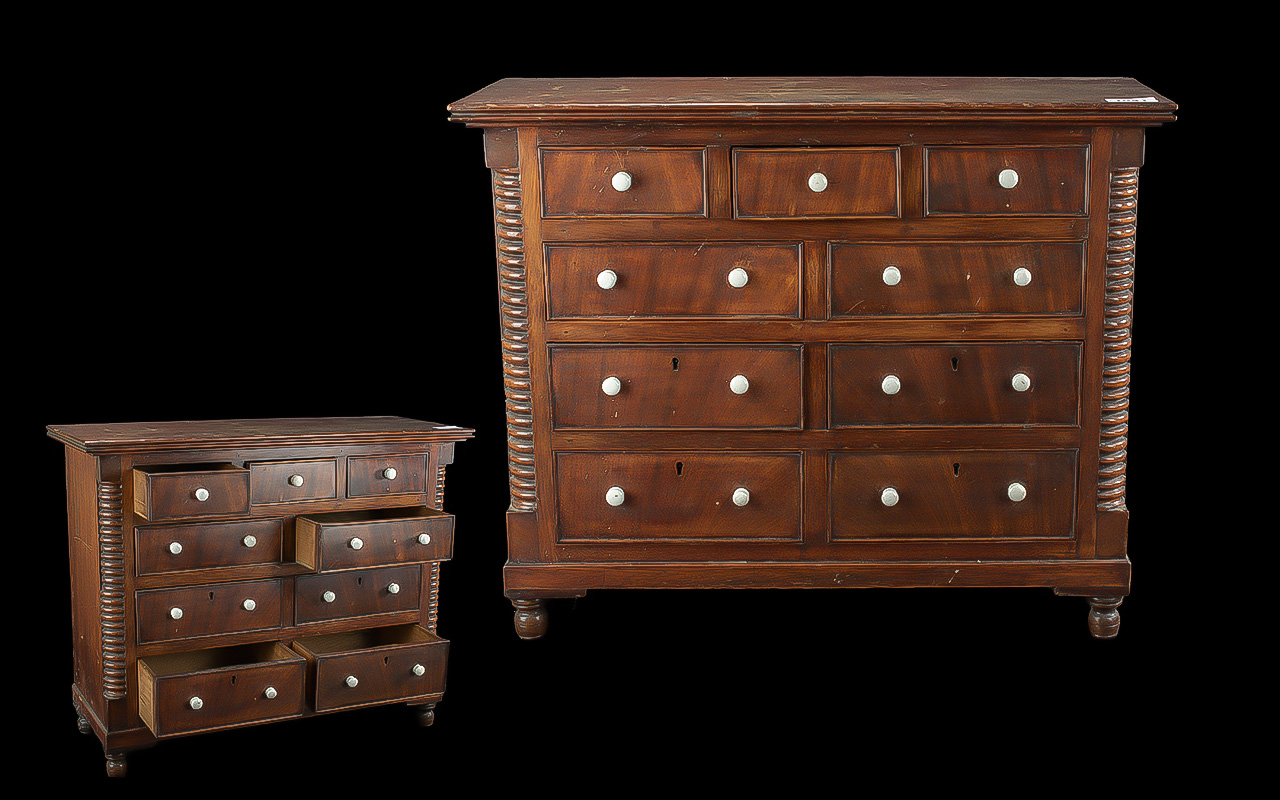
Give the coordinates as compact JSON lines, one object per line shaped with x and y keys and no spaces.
{"x":816,"y":332}
{"x":238,"y":572}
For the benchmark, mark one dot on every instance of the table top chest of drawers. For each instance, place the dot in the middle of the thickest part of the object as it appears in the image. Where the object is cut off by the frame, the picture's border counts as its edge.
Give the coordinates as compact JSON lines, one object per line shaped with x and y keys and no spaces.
{"x":806,"y":332}
{"x":238,"y":572}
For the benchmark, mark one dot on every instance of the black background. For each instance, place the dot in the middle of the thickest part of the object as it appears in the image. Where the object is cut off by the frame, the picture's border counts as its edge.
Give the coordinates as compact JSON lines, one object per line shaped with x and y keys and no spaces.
{"x":281,"y":221}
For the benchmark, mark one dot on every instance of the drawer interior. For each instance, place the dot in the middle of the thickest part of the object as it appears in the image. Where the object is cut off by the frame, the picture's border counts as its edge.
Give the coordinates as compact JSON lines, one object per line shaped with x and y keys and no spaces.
{"x":354,"y":641}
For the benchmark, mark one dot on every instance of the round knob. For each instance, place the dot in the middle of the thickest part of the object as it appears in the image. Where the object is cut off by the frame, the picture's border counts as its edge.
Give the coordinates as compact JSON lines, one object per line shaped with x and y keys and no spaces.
{"x":393,"y":588}
{"x":356,"y":543}
{"x":890,"y":384}
{"x":1008,"y":178}
{"x":202,"y":494}
{"x":891,"y":276}
{"x":270,"y":693}
{"x":738,"y":277}
{"x":1022,"y":276}
{"x":607,"y":279}
{"x":741,"y":496}
{"x":424,"y":538}
{"x":175,"y":613}
{"x":351,"y":681}
{"x":621,"y":181}
{"x":250,"y":540}
{"x":1017,"y":492}
{"x":1021,"y":382}
{"x":739,"y":384}
{"x":196,"y":703}
{"x":175,"y":547}
{"x":329,"y":597}
{"x":615,"y":496}
{"x":249,"y":604}
{"x":818,"y":182}
{"x":296,"y":480}
{"x":419,"y":670}
{"x":611,"y":386}
{"x":390,"y":473}
{"x":889,"y":496}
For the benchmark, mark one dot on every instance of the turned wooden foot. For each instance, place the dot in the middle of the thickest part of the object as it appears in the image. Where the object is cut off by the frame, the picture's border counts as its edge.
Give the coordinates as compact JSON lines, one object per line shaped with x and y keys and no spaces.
{"x":115,"y":765}
{"x":426,"y":714}
{"x":1104,"y":619}
{"x":531,"y":618}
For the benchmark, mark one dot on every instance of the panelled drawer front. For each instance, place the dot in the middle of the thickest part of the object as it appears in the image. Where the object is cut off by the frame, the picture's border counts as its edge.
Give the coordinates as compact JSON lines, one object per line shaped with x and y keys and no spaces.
{"x":368,"y":476}
{"x":345,"y":540}
{"x":208,"y":689}
{"x":1006,"y":180}
{"x":174,"y":548}
{"x":816,"y":182}
{"x":624,"y":182}
{"x":374,"y":666}
{"x":883,"y":278}
{"x":678,"y":496}
{"x":991,"y":494}
{"x":678,"y":280}
{"x":708,"y":386}
{"x":165,"y":614}
{"x":957,"y":384}
{"x":357,"y":593}
{"x":291,"y":481}
{"x":203,"y":490}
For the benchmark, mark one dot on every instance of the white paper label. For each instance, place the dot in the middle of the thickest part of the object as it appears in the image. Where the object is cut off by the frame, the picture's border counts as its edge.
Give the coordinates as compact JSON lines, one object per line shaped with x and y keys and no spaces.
{"x":1130,"y":100}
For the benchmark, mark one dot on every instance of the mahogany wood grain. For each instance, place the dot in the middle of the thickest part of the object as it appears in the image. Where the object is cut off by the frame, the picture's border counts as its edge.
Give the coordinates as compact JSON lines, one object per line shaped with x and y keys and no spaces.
{"x":171,"y":492}
{"x":367,"y":475}
{"x":965,"y":180}
{"x":208,"y":609}
{"x":356,"y":593}
{"x":668,"y":182}
{"x":328,"y":541}
{"x":404,"y":662}
{"x":274,"y":481}
{"x":858,"y":182}
{"x":207,"y":545}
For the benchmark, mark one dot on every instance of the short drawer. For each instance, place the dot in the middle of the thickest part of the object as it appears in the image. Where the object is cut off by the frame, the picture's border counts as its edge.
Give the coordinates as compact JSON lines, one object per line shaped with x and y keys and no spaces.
{"x":667,"y":182}
{"x":882,"y":278}
{"x":173,"y":548}
{"x":358,"y":593}
{"x":674,"y":280}
{"x":816,"y":182}
{"x":222,"y":687}
{"x":678,"y":496}
{"x":380,"y":665}
{"x":992,"y":494}
{"x":1006,"y":180}
{"x":293,"y":481}
{"x":207,"y":610}
{"x":197,"y":490}
{"x":368,"y":476}
{"x":710,"y":386}
{"x":351,"y":539}
{"x":962,"y":384}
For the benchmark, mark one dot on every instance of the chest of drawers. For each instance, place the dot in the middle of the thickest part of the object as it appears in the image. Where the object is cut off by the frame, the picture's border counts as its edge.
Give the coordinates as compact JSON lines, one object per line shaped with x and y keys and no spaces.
{"x":818,"y":332}
{"x":239,"y":572}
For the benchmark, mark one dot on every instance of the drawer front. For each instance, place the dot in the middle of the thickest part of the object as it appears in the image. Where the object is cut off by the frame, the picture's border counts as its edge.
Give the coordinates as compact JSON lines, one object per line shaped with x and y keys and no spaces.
{"x":365,"y":675}
{"x":624,"y":182}
{"x":987,"y":494}
{"x":291,"y":481}
{"x":1006,"y":180}
{"x":678,"y":496}
{"x":174,"y":548}
{"x":165,"y":614}
{"x":962,"y":384}
{"x":881,"y":278}
{"x":648,"y":280}
{"x":709,"y":386}
{"x":376,"y":475}
{"x":203,"y":491}
{"x":349,"y":540}
{"x":816,"y":182}
{"x":356,"y":594}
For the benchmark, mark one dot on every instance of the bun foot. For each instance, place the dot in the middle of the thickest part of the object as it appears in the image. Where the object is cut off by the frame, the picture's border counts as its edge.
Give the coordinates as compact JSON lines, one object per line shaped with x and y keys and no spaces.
{"x":426,"y":714}
{"x":115,"y":765}
{"x":1104,"y":619}
{"x":531,"y":619}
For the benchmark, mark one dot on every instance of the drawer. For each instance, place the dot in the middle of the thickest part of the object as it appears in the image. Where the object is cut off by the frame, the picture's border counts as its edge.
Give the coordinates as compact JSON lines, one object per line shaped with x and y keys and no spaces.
{"x":291,"y":481}
{"x":962,"y":384}
{"x":678,"y":496}
{"x":1002,"y":495}
{"x":666,"y":182}
{"x":882,"y":278}
{"x":710,"y":386}
{"x":209,"y":689}
{"x":1006,"y":180}
{"x":349,"y":539}
{"x":673,"y":280}
{"x":359,"y":593}
{"x":368,"y":476}
{"x":816,"y":182}
{"x":380,"y":665}
{"x":207,"y":610}
{"x":174,"y":548}
{"x":197,"y":490}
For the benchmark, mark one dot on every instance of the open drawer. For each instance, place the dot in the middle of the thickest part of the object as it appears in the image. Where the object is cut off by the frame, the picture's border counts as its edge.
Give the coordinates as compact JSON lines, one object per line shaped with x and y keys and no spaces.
{"x":378,"y":665}
{"x":354,"y":539}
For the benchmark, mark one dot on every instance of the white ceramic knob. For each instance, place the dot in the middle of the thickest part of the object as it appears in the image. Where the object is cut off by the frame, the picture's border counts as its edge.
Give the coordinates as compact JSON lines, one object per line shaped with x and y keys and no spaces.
{"x":249,"y":604}
{"x":270,"y":693}
{"x":202,"y":494}
{"x":738,"y":277}
{"x":1021,"y":382}
{"x":175,"y":547}
{"x":607,"y":279}
{"x":419,"y":670}
{"x":424,"y":538}
{"x":741,"y":496}
{"x":890,"y":384}
{"x":615,"y":496}
{"x":818,"y":182}
{"x":1008,"y":178}
{"x":393,"y":588}
{"x":1017,"y":492}
{"x":356,"y":543}
{"x":739,"y":384}
{"x":891,"y":276}
{"x":889,"y":496}
{"x":250,"y":540}
{"x":1022,"y":276}
{"x":390,"y":473}
{"x":611,"y":386}
{"x":175,"y":613}
{"x":296,"y":480}
{"x":351,"y":681}
{"x":329,"y":597}
{"x":196,"y":703}
{"x":621,"y":181}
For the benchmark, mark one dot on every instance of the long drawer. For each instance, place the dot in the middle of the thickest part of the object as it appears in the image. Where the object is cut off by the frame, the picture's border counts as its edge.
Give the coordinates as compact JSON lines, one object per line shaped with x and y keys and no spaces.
{"x":165,"y":614}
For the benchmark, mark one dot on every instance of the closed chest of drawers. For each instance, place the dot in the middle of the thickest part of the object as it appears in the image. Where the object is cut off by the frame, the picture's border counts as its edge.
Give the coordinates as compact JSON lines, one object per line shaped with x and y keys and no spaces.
{"x":772,"y":332}
{"x":240,"y":572}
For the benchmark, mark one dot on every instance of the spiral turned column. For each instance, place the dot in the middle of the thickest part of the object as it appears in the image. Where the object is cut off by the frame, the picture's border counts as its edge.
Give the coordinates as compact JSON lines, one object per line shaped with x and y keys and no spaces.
{"x":513,"y":299}
{"x":1122,"y":218}
{"x":111,"y":591}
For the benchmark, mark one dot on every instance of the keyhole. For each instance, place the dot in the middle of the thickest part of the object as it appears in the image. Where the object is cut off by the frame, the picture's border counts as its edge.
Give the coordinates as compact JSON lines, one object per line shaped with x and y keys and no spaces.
{"x":955,"y":363}
{"x":210,"y":595}
{"x":359,"y":581}
{"x":233,"y":680}
{"x":955,"y":469}
{"x":679,"y":469}
{"x":386,"y":659}
{"x":675,"y":365}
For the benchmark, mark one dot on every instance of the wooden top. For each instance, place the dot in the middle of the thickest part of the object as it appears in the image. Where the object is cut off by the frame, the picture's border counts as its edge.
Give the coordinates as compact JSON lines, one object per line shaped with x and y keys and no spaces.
{"x":224,"y":434}
{"x":514,"y":101}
